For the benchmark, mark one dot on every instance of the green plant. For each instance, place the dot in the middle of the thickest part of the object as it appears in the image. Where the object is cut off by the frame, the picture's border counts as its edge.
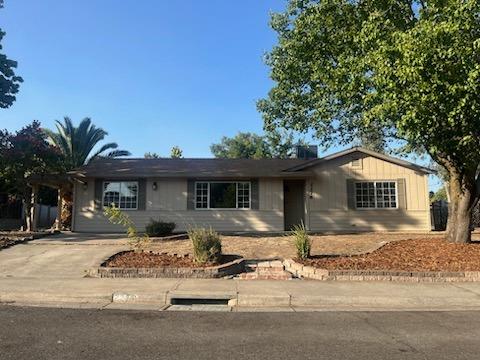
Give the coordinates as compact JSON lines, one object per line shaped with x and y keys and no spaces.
{"x":207,"y":246}
{"x":159,"y":228}
{"x":136,"y":241}
{"x":303,"y":244}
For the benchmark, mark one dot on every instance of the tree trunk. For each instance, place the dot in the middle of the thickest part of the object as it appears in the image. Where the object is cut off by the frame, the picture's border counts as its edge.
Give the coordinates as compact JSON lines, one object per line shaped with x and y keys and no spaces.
{"x":463,"y":196}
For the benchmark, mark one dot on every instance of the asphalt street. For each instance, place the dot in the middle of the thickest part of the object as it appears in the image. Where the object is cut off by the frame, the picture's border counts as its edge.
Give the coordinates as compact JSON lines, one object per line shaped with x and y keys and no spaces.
{"x":49,"y":333}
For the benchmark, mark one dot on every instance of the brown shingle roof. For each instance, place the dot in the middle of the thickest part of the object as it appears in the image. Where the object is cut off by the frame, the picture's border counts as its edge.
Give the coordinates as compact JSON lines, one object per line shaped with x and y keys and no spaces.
{"x":220,"y":168}
{"x":215,"y":168}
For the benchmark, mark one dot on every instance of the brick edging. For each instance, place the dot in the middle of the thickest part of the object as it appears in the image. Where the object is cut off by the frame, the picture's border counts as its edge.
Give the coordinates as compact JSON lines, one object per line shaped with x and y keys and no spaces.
{"x":231,"y":268}
{"x":310,"y":272}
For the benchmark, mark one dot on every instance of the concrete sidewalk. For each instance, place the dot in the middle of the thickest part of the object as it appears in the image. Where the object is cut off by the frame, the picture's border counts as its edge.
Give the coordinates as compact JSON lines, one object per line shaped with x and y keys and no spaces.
{"x":242,"y":295}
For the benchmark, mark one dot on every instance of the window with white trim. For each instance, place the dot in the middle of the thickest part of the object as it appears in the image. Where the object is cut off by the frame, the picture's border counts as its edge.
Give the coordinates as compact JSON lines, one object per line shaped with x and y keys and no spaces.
{"x":222,"y":195}
{"x":123,"y":194}
{"x":376,"y":195}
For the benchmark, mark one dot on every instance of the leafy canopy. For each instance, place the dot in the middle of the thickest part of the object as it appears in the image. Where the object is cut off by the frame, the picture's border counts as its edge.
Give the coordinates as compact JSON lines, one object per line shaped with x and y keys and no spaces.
{"x":247,"y":145}
{"x":24,"y":153}
{"x":77,"y":144}
{"x":176,"y":152}
{"x":9,"y":81}
{"x":409,"y":70}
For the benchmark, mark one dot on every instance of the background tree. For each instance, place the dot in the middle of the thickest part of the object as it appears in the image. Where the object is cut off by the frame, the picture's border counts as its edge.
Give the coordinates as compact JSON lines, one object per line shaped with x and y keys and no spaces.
{"x":78,"y":146}
{"x":253,"y":146}
{"x":153,"y":155}
{"x":176,"y":153}
{"x":407,"y":69}
{"x":22,"y":154}
{"x":439,"y":195}
{"x":9,"y":82}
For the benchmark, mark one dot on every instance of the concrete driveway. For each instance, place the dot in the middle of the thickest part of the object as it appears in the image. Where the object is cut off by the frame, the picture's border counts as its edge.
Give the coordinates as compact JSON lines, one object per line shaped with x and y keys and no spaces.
{"x":60,"y":256}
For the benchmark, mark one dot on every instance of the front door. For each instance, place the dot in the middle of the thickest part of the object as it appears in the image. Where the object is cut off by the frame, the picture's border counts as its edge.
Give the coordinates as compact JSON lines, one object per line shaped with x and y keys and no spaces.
{"x":293,"y":201}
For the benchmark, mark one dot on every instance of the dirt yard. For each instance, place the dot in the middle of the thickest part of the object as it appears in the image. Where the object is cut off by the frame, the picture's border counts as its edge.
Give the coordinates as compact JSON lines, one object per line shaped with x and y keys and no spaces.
{"x":268,"y":247}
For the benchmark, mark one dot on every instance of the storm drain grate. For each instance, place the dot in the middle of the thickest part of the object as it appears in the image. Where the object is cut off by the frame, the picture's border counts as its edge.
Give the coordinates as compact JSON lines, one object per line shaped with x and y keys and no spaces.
{"x":198,"y":301}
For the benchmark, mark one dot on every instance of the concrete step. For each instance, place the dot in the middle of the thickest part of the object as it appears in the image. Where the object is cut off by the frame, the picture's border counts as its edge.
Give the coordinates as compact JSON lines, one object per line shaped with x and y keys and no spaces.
{"x":265,"y":270}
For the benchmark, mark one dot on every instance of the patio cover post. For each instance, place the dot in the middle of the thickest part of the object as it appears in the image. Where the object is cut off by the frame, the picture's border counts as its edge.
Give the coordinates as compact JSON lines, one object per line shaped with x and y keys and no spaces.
{"x":33,"y":210}
{"x":58,"y":221}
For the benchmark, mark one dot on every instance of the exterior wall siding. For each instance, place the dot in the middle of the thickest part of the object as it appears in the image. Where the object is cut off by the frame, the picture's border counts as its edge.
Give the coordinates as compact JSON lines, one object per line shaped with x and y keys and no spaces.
{"x":327,"y":208}
{"x":169,"y":203}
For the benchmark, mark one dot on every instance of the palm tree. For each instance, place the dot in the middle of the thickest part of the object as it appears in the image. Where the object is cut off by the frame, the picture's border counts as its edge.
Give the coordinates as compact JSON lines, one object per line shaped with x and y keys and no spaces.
{"x":77,"y":143}
{"x":77,"y":147}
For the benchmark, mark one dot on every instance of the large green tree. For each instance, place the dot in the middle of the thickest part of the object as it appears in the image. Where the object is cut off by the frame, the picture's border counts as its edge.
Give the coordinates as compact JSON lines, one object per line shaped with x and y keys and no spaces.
{"x":9,"y":81}
{"x":22,"y":154}
{"x":246,"y":145}
{"x":409,"y":70}
{"x":78,"y":144}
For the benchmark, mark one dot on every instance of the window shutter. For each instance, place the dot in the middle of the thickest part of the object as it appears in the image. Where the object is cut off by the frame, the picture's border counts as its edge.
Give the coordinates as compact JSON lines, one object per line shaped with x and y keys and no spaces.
{"x":191,"y":194}
{"x":142,"y":194}
{"x":351,"y":194}
{"x":98,"y":194}
{"x":402,"y":194}
{"x":254,"y":195}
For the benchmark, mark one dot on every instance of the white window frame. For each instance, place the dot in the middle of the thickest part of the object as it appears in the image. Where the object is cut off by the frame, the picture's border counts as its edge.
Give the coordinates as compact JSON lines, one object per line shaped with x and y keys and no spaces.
{"x":120,"y":181}
{"x":375,"y":190}
{"x":236,"y":193}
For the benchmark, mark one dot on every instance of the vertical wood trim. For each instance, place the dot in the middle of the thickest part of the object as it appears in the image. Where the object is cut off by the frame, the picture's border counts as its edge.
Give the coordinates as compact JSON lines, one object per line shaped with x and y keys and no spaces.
{"x":98,"y":193}
{"x":142,"y":194}
{"x":191,"y":194}
{"x":402,"y":194}
{"x":351,"y":194}
{"x":254,"y":196}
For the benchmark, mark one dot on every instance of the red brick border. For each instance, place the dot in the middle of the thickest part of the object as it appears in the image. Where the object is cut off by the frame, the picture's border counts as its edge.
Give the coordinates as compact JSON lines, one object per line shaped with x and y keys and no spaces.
{"x":310,"y":272}
{"x":231,"y":268}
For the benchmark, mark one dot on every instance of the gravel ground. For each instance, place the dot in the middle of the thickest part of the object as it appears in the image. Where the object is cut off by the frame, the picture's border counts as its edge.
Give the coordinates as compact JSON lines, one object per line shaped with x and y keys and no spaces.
{"x":267,"y":247}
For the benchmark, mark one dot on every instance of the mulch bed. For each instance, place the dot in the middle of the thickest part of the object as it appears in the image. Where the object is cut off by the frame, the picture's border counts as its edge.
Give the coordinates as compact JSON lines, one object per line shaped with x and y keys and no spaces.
{"x":10,"y":241}
{"x":130,"y":259}
{"x":407,"y":255}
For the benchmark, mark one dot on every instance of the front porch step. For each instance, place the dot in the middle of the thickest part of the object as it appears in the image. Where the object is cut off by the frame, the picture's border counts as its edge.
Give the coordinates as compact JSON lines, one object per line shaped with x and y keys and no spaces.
{"x":265,"y":270}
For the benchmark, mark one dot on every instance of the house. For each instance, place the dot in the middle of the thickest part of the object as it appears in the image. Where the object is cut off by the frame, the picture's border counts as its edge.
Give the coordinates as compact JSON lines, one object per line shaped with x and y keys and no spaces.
{"x":352,"y":190}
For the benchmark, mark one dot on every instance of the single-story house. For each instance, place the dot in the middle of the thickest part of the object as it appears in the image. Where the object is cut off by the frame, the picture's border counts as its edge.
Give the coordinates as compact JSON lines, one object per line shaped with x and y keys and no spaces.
{"x":352,"y":190}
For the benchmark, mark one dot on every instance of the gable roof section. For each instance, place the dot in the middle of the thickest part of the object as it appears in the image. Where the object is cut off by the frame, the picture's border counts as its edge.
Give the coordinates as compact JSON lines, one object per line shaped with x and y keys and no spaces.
{"x":391,"y":159}
{"x":194,"y":168}
{"x":220,"y":168}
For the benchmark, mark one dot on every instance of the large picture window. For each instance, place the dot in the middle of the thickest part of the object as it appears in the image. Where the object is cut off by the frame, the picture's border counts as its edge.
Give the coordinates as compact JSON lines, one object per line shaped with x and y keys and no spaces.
{"x":376,"y":195}
{"x":222,"y":195}
{"x":124,"y":194}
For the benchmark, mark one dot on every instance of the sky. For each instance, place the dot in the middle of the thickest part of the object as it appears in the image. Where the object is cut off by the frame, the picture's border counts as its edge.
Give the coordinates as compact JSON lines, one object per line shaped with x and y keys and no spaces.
{"x":153,"y":73}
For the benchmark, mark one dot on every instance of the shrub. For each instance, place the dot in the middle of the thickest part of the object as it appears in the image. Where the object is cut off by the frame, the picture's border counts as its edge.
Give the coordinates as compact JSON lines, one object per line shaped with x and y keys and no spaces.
{"x":137,"y":242}
{"x":303,"y":244}
{"x":159,"y":228}
{"x":207,"y":246}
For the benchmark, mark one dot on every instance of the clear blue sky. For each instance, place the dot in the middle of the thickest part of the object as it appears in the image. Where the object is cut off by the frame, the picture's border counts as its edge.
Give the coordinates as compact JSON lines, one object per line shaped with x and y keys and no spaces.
{"x":153,"y":73}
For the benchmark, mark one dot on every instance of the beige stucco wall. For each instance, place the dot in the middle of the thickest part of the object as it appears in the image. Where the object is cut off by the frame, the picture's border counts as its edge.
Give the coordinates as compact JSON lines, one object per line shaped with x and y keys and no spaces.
{"x":326,"y":198}
{"x":169,"y":203}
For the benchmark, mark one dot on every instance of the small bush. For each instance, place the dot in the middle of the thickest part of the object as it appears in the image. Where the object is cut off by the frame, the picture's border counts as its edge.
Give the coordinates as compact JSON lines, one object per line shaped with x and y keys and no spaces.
{"x":159,"y":228}
{"x":207,"y":246}
{"x":303,"y":244}
{"x":137,"y":242}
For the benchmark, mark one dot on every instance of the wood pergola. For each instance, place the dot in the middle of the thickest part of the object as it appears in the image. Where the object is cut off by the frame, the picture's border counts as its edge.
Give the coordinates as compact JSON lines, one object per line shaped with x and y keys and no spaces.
{"x":56,"y":181}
